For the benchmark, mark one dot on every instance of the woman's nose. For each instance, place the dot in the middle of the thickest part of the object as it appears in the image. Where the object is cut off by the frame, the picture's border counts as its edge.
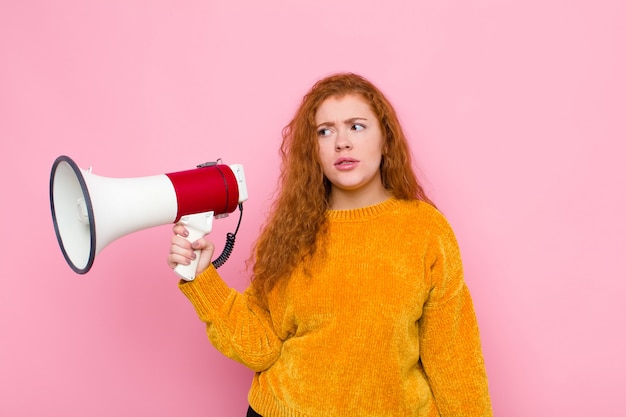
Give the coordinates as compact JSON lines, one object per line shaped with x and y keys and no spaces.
{"x":342,"y":142}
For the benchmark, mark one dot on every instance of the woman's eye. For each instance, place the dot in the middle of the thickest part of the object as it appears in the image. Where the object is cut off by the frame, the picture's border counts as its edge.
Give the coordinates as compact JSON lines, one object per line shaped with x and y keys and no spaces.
{"x":357,"y":127}
{"x":323,"y":132}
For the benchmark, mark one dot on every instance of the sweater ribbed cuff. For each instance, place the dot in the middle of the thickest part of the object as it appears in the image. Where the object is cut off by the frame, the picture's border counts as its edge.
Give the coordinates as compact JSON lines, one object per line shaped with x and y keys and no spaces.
{"x":207,"y":292}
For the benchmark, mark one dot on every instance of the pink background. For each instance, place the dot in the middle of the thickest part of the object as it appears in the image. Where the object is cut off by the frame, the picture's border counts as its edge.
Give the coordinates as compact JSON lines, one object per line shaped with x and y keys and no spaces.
{"x":516,"y":114}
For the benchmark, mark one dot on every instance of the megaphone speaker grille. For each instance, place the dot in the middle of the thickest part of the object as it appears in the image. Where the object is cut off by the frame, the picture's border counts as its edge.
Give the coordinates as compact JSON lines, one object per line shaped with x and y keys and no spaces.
{"x":72,"y":214}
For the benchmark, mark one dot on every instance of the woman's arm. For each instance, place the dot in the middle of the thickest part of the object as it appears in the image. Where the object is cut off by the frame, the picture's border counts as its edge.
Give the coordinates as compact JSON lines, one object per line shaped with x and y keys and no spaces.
{"x":236,"y":323}
{"x":450,"y":347}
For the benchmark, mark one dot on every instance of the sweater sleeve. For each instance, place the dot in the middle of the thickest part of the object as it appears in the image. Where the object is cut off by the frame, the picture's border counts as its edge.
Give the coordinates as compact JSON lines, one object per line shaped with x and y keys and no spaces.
{"x":236,"y":323}
{"x":450,"y":345}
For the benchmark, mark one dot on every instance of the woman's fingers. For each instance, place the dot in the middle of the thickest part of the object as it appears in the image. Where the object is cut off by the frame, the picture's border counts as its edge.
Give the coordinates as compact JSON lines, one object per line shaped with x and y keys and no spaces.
{"x":182,"y":251}
{"x":180,"y":229}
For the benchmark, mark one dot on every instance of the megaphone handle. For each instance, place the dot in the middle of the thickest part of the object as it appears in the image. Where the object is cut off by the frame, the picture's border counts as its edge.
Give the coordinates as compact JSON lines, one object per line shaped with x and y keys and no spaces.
{"x":197,"y":225}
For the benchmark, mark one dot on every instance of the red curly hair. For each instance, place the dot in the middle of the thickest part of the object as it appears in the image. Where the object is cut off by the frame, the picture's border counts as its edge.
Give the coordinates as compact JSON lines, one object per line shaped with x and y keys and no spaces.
{"x":297,"y":218}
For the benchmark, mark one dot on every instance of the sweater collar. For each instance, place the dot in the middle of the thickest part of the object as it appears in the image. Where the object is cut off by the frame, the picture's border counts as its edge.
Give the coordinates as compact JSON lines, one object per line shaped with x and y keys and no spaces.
{"x":363,"y":213}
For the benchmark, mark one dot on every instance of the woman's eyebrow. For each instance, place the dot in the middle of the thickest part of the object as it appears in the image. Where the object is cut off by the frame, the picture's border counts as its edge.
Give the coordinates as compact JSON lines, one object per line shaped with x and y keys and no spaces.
{"x":347,"y":121}
{"x":354,"y":119}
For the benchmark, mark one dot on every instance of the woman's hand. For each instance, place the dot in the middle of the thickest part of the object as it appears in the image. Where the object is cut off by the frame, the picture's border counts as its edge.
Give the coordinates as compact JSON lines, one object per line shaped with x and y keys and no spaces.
{"x":182,"y":251}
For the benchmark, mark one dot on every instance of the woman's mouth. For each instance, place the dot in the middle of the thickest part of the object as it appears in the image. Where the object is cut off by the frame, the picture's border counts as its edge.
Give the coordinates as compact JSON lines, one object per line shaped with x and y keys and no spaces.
{"x":346,"y":163}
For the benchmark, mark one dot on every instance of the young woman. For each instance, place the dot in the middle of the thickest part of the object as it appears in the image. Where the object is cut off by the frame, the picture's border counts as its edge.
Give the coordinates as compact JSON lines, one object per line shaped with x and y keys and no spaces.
{"x":357,"y":306}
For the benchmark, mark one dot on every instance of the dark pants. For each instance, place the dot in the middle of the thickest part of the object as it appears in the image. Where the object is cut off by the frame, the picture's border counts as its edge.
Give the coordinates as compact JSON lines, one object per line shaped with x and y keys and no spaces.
{"x":252,"y":413}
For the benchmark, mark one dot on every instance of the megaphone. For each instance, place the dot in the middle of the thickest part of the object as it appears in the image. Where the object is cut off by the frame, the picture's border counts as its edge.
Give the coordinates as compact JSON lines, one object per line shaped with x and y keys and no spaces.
{"x":91,"y":211}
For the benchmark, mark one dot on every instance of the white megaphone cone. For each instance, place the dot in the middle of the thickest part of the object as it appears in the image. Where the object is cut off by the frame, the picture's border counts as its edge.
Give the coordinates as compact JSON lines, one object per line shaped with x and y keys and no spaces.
{"x":90,"y":211}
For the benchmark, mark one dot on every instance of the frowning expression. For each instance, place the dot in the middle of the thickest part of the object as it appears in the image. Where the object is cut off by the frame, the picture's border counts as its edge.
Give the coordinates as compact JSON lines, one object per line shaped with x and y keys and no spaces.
{"x":350,"y":146}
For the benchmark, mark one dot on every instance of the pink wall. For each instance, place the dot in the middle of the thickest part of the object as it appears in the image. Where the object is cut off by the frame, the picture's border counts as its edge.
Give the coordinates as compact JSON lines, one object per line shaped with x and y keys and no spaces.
{"x":516,"y":112}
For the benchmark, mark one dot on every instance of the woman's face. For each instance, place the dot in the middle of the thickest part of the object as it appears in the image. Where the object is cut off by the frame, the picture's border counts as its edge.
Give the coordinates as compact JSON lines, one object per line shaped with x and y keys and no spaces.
{"x":350,"y":148}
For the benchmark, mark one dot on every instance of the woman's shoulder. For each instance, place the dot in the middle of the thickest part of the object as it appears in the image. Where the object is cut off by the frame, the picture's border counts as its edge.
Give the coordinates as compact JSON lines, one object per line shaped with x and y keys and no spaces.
{"x":423,"y":216}
{"x":422,"y":209}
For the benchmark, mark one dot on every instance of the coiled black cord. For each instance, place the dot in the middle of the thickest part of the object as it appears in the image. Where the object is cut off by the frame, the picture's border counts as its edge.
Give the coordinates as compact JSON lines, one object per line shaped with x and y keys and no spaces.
{"x":230,"y":243}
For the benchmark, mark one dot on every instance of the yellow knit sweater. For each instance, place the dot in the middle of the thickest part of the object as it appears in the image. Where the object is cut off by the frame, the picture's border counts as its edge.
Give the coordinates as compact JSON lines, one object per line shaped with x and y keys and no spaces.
{"x":381,"y":324}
